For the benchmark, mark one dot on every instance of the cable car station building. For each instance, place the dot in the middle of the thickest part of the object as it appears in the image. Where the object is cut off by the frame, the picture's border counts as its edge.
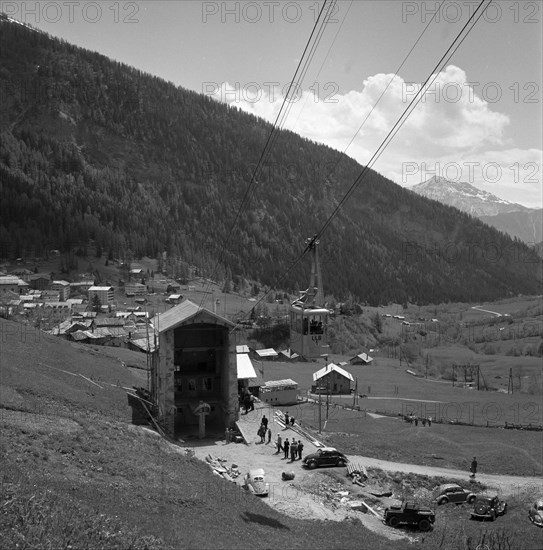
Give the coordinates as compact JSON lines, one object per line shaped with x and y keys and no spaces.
{"x":194,"y":381}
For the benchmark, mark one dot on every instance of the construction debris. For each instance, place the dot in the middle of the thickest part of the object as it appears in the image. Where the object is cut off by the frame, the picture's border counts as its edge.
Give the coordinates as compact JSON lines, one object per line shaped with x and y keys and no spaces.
{"x":218,"y":468}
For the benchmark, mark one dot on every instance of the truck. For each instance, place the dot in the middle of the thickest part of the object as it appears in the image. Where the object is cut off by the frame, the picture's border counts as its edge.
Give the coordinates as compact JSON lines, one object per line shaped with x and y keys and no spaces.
{"x":409,"y":514}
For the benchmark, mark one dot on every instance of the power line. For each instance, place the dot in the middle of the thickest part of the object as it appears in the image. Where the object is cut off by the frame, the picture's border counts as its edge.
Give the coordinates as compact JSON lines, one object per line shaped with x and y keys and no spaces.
{"x":412,"y":104}
{"x":399,"y":123}
{"x":269,"y":142}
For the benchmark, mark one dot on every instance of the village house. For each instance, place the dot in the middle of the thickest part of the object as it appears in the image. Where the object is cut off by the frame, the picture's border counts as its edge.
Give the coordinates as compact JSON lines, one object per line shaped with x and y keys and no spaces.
{"x":63,"y":288}
{"x":135,"y":289}
{"x":105,"y":294}
{"x":39,"y":281}
{"x":194,"y":372}
{"x":50,"y":296}
{"x":361,"y":359}
{"x":332,"y":379}
{"x":22,"y":273}
{"x":9,"y":283}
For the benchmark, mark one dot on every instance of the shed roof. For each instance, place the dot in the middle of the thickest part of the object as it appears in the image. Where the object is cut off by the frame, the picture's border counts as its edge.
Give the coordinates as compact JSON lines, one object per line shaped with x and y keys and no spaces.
{"x":363,"y":357}
{"x":183,"y":312}
{"x":269,"y":352}
{"x":243,"y":348}
{"x":289,"y":353}
{"x":9,"y":280}
{"x":245,"y":367}
{"x":330,"y":368}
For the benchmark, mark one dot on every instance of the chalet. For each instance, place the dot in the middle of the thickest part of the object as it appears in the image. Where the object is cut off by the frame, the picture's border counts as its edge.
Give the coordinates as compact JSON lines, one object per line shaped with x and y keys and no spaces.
{"x":332,"y":379}
{"x":135,"y":289}
{"x":9,"y":283}
{"x":39,"y":281}
{"x":194,"y":372}
{"x":136,"y":273}
{"x":174,"y":298}
{"x":361,"y":359}
{"x":63,"y":288}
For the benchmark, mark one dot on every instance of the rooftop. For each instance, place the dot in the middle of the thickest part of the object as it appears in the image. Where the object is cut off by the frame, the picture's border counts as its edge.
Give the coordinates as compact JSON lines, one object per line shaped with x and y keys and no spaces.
{"x":183,"y":312}
{"x":330,"y":368}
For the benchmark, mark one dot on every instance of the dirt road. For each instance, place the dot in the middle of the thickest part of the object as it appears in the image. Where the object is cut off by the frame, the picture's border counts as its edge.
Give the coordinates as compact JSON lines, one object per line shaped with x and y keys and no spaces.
{"x":314,"y":494}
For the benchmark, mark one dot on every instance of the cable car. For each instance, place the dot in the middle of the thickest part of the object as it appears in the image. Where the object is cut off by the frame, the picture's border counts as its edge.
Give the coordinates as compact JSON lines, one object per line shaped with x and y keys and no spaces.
{"x":308,"y":316}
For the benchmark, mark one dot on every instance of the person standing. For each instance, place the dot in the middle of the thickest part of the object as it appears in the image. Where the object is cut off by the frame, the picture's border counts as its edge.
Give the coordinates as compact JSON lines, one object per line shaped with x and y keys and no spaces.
{"x":247,"y":403}
{"x":269,"y":436}
{"x":286,"y":445}
{"x":293,"y":450}
{"x":279,"y":444}
{"x":265,"y":421}
{"x":473,"y":468}
{"x":300,"y":448}
{"x":286,"y":419}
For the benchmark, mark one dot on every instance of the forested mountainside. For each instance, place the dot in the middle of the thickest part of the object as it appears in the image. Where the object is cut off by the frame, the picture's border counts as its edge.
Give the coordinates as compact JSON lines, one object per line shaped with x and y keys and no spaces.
{"x":93,"y":151}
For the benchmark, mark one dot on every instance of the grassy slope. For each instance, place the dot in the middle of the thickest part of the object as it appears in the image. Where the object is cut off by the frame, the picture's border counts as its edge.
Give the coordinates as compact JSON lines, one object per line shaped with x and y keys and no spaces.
{"x":75,"y":456}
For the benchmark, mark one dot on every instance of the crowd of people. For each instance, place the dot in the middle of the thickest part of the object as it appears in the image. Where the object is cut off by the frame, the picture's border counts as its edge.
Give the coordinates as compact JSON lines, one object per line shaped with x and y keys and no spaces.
{"x":293,"y":448}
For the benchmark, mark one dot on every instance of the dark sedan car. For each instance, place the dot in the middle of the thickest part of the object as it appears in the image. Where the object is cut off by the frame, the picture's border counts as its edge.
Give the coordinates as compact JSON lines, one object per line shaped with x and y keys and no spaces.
{"x":327,"y":456}
{"x":488,"y":508}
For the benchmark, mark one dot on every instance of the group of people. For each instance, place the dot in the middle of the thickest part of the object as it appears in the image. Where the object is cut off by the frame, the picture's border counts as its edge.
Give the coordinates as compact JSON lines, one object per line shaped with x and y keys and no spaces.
{"x":247,"y":401}
{"x":412,"y":419}
{"x":293,"y":448}
{"x":264,"y":431}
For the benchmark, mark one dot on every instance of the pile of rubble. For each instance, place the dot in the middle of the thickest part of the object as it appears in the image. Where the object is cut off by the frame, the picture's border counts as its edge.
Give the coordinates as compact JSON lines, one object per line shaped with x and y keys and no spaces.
{"x":219,"y":468}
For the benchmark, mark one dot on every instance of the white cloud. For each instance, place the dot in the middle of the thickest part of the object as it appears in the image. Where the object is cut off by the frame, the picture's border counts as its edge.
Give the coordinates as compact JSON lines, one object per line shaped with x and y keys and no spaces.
{"x":450,"y":128}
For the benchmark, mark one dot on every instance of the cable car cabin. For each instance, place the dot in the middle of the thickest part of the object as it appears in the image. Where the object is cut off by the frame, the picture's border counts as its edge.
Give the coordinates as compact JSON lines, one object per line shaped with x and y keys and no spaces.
{"x":308,"y":330}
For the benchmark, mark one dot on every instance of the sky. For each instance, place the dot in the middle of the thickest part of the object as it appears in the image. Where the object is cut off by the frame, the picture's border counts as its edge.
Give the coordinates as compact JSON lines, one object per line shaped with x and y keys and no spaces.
{"x":480,"y":121}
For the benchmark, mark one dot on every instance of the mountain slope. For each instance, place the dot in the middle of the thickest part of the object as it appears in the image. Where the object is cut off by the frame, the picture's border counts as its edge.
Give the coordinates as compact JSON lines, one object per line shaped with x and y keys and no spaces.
{"x":94,"y":151}
{"x":525,"y":225}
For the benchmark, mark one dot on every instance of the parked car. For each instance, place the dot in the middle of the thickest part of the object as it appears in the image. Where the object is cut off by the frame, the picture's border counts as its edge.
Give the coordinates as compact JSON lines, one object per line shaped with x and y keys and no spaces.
{"x":326,"y":456}
{"x":451,"y":492}
{"x":535,"y":514}
{"x":410,"y":514}
{"x":486,"y":507}
{"x":255,"y":482}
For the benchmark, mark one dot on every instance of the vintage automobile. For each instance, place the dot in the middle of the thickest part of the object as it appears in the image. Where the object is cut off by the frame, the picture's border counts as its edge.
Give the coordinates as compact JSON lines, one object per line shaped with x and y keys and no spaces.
{"x":326,"y":456}
{"x":535,"y":514}
{"x":451,"y":492}
{"x":486,"y":507}
{"x":255,"y":482}
{"x":410,"y":514}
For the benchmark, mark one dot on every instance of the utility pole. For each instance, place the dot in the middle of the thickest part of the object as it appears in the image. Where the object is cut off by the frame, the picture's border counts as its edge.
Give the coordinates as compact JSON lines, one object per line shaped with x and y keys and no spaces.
{"x":510,"y":387}
{"x":320,"y":407}
{"x":327,"y":399}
